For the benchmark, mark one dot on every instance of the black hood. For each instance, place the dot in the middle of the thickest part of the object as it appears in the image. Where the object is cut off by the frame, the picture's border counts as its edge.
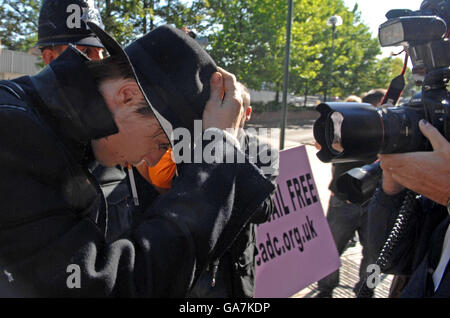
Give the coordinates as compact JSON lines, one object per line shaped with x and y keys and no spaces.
{"x":172,"y":69}
{"x":175,"y":72}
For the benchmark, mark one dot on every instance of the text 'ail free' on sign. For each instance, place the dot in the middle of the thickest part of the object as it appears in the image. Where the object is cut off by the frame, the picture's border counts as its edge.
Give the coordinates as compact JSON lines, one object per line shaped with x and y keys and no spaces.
{"x":295,"y":247}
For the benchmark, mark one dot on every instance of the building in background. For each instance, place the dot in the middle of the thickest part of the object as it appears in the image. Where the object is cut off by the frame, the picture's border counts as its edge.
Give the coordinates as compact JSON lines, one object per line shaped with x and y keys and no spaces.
{"x":265,"y":96}
{"x":15,"y":64}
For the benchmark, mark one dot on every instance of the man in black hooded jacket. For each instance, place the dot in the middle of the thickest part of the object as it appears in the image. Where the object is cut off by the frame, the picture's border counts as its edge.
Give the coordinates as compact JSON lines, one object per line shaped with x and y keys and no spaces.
{"x":52,"y":216}
{"x":54,"y":35}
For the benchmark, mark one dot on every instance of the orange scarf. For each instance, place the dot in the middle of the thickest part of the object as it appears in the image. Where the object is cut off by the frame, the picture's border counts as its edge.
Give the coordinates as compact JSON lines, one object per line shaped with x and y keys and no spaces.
{"x":162,"y":173}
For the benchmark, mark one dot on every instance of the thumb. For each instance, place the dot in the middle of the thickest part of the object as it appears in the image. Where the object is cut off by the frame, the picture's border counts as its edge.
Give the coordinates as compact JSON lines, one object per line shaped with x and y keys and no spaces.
{"x":436,"y":139}
{"x":216,"y":87}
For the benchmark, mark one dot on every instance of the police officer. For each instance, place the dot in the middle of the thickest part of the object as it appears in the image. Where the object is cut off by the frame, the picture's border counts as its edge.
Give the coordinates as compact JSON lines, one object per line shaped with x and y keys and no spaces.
{"x":60,"y":23}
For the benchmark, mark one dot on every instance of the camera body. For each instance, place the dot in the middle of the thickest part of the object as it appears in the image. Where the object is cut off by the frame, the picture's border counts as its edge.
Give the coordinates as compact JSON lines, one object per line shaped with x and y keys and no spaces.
{"x":354,"y":132}
{"x":350,"y":132}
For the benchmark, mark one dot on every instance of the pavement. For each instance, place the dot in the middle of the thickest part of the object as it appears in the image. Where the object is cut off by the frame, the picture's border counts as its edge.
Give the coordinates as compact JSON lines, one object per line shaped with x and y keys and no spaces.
{"x":348,"y":278}
{"x":302,"y":134}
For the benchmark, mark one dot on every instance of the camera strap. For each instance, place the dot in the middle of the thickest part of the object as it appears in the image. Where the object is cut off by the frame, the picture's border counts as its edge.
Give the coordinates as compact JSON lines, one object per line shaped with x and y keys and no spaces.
{"x":409,"y":208}
{"x":396,"y":87}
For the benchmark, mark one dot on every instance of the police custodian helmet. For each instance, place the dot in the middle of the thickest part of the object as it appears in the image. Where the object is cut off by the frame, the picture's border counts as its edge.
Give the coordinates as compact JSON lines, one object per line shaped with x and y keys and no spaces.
{"x":61,"y":22}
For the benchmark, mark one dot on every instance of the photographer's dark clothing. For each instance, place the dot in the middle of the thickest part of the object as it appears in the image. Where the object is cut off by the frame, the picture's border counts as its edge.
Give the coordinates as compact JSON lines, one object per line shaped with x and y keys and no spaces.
{"x":345,"y":218}
{"x":53,"y":217}
{"x":236,"y":269}
{"x":421,"y":282}
{"x":418,"y":253}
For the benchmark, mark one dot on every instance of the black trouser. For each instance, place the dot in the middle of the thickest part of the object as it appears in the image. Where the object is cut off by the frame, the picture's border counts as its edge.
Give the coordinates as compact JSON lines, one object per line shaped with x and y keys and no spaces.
{"x":344,"y":219}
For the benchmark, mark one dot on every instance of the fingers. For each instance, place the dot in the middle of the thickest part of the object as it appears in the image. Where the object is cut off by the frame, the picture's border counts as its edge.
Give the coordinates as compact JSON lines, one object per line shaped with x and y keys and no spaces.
{"x":434,"y":188}
{"x":229,"y":79}
{"x":390,"y":185}
{"x":436,"y":139}
{"x":402,"y":160}
{"x":389,"y":162}
{"x":232,"y":91}
{"x":406,"y":181}
{"x":216,"y":87}
{"x":224,"y":108}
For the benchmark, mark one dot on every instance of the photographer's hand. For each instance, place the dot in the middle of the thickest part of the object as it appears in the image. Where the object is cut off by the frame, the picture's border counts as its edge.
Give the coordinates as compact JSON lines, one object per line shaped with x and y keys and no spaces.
{"x":427,"y":173}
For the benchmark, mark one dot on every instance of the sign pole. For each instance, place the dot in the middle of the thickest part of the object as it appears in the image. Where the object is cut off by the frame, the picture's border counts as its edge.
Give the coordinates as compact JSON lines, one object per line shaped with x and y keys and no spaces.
{"x":286,"y":73}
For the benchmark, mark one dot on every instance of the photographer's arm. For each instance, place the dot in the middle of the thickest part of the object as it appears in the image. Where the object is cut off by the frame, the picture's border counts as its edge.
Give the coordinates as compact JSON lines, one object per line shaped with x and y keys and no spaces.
{"x":424,"y":172}
{"x":427,"y":173}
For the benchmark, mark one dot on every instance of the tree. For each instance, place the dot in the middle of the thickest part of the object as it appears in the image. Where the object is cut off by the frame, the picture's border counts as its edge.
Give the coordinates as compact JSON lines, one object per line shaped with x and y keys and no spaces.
{"x":383,"y":72}
{"x":248,"y":38}
{"x":411,"y":88}
{"x":245,"y":38}
{"x":125,"y":20}
{"x":354,"y":51}
{"x":18,"y":23}
{"x":128,"y":20}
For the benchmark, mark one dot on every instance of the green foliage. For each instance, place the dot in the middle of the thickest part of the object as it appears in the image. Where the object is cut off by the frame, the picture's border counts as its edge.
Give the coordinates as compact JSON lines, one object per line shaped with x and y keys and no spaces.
{"x":354,"y":50}
{"x":125,"y":20}
{"x":18,"y":23}
{"x":411,"y":88}
{"x":128,"y":20}
{"x":246,"y":37}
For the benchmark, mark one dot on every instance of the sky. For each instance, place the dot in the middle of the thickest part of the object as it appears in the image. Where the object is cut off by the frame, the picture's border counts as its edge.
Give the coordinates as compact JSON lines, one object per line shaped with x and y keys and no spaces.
{"x":373,"y":13}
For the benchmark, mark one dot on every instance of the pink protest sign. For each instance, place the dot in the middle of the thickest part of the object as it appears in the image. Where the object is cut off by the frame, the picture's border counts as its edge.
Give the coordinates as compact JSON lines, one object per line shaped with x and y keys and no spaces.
{"x":295,"y":247}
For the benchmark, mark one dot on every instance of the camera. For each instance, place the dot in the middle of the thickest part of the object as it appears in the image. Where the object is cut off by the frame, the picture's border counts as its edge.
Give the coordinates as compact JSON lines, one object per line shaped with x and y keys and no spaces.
{"x":350,"y":131}
{"x":354,"y":132}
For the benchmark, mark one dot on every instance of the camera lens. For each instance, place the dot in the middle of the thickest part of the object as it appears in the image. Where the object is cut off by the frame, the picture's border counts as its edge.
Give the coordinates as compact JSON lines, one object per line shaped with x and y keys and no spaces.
{"x":357,"y":132}
{"x":348,"y":131}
